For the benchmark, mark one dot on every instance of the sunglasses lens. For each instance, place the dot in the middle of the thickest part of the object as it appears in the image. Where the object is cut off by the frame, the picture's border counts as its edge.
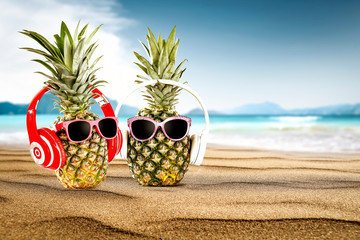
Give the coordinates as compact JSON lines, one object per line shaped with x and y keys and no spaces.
{"x":79,"y":131}
{"x":176,"y":129}
{"x":142,"y":129}
{"x":108,"y":127}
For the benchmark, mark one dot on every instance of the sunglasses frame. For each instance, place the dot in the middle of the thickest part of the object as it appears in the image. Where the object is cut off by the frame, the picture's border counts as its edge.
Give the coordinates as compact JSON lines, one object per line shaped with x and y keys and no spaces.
{"x":157,"y":125}
{"x":65,"y":125}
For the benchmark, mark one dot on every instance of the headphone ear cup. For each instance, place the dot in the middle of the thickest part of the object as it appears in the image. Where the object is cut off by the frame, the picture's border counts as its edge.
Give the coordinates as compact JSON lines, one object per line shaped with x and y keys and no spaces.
{"x":40,"y":152}
{"x":57,"y":156}
{"x":201,"y":150}
{"x":195,"y":141}
{"x":123,"y":152}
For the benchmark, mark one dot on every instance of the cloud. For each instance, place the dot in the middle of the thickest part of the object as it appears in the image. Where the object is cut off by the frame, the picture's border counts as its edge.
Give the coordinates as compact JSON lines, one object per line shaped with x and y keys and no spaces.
{"x":19,"y":83}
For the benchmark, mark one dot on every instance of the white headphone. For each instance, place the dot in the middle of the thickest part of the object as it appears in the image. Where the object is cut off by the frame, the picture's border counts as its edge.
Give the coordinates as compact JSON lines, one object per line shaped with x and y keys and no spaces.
{"x":198,"y":143}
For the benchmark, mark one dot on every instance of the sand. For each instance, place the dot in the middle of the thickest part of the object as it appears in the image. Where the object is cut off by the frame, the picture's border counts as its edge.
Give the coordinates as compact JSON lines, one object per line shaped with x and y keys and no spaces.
{"x":235,"y":194}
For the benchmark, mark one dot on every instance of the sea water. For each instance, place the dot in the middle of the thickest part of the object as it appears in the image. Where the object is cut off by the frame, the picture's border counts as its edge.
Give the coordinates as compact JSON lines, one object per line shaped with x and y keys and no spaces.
{"x":286,"y":133}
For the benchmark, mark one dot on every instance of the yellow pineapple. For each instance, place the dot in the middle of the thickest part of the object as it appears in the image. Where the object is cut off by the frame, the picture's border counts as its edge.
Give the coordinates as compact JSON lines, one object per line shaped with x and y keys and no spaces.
{"x":72,"y":80}
{"x":159,"y":161}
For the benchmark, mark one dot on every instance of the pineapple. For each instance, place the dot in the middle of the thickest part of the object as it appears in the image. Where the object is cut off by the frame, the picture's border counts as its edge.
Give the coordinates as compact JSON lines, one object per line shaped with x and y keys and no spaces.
{"x":159,"y":161}
{"x":72,"y":80}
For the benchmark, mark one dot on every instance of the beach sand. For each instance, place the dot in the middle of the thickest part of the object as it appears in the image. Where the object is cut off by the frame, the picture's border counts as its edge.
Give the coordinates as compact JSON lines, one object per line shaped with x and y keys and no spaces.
{"x":235,"y":194}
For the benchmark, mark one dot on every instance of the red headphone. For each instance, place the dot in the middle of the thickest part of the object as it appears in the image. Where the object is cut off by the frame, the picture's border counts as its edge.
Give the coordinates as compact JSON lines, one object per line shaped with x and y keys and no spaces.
{"x":46,"y":148}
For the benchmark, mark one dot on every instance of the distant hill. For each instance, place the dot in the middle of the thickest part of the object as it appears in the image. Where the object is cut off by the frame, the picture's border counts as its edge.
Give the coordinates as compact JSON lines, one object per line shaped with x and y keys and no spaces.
{"x":266,"y":108}
{"x":342,"y":109}
{"x":46,"y":106}
{"x":199,"y":111}
{"x":11,"y":109}
{"x":269,"y":108}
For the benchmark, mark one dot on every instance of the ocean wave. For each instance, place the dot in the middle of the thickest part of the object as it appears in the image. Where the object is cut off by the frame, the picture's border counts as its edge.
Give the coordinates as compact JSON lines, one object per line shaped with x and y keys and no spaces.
{"x":19,"y":137}
{"x":324,"y":142}
{"x":280,"y":127}
{"x":305,"y":128}
{"x":296,"y":119}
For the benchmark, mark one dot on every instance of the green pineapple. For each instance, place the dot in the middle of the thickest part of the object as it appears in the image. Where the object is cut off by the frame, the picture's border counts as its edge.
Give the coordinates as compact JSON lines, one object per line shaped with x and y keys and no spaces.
{"x":159,"y":161}
{"x":72,"y":80}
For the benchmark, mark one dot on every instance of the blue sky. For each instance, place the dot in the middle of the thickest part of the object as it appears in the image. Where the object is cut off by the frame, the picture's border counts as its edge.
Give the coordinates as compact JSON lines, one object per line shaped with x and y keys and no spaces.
{"x":295,"y":53}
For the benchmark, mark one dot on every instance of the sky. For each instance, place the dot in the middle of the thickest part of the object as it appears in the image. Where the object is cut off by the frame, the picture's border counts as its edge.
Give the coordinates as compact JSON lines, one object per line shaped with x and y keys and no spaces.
{"x":295,"y":53}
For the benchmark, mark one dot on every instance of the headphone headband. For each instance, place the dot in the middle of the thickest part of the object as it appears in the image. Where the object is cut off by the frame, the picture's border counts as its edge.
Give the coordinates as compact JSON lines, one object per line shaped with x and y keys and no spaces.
{"x":31,"y":113}
{"x":174,"y":83}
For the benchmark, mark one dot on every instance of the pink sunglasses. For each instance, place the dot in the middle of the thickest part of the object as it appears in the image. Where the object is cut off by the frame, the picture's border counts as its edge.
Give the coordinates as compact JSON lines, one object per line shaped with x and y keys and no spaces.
{"x":79,"y":130}
{"x":144,"y":128}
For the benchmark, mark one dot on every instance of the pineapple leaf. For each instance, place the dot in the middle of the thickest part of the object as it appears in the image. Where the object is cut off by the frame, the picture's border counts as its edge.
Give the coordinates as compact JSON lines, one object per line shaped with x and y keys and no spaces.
{"x":175,"y":102}
{"x":169,"y":70}
{"x":83,"y":31}
{"x":46,"y":65}
{"x":170,"y":40}
{"x":167,"y":89}
{"x":47,"y":56}
{"x":141,"y":66}
{"x":76,"y":39}
{"x":178,"y":76}
{"x":48,"y":76}
{"x":61,"y":68}
{"x":73,"y":108}
{"x":155,"y":97}
{"x":92,"y":73}
{"x":92,"y":34}
{"x":178,"y":68}
{"x":160,"y":42}
{"x":70,"y":91}
{"x":143,"y":61}
{"x":89,"y":52}
{"x":163,"y":61}
{"x":96,"y":84}
{"x":142,"y":77}
{"x":154,"y":49}
{"x":147,"y":96}
{"x":82,"y":88}
{"x":76,"y":85}
{"x":77,"y":56}
{"x":60,"y":44}
{"x":157,"y":92}
{"x":43,"y":42}
{"x":65,"y":32}
{"x":96,"y":61}
{"x":69,"y":80}
{"x":52,"y":86}
{"x":87,"y":91}
{"x":66,"y":102}
{"x":146,"y":49}
{"x":152,"y":73}
{"x":173,"y":53}
{"x":90,"y":49}
{"x":68,"y":52}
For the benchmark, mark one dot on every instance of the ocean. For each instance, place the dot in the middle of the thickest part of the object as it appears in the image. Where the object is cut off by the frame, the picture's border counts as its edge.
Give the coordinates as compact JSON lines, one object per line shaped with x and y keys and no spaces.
{"x":286,"y":133}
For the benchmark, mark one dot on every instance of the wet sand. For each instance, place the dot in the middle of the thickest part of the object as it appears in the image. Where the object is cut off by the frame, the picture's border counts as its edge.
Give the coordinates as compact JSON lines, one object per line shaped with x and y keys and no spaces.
{"x":235,"y":194}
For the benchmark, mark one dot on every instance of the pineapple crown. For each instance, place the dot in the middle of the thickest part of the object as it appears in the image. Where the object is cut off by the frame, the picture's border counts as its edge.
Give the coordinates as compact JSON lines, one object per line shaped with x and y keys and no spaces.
{"x":161,"y":65}
{"x":72,"y":77}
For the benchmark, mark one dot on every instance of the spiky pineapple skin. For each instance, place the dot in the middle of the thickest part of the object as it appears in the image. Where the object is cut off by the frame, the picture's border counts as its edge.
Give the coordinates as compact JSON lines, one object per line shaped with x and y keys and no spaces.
{"x":87,"y":162}
{"x":158,"y":161}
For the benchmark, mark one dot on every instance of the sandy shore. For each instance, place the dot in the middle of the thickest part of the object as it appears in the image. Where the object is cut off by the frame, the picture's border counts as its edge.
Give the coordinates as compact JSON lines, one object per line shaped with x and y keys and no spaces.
{"x":235,"y":194}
